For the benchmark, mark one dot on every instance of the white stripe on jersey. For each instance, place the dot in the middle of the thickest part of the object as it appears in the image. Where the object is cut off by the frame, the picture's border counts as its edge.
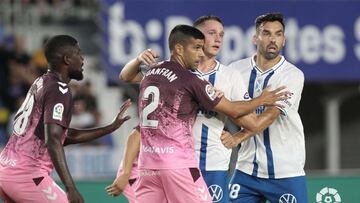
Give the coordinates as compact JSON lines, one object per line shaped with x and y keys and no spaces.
{"x":209,"y":125}
{"x":280,"y":150}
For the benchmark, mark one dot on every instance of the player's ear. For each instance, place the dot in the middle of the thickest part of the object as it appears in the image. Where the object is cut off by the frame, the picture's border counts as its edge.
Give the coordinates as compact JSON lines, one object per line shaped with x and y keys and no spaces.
{"x":179,"y":49}
{"x":254,"y":39}
{"x":284,"y":42}
{"x":67,"y":59}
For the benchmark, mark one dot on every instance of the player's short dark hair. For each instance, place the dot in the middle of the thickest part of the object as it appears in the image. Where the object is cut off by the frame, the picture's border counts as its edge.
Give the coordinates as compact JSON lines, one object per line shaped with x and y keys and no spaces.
{"x":182,"y":34}
{"x":269,"y":17}
{"x":56,"y":47}
{"x":203,"y":19}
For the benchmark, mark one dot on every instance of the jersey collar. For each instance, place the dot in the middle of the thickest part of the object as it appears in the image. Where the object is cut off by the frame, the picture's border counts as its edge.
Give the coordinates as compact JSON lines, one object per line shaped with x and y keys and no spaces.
{"x":217,"y":66}
{"x":274,"y":68}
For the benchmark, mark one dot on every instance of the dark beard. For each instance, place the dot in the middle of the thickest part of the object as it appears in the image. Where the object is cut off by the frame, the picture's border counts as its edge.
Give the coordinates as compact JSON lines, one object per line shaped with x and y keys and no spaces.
{"x":76,"y":75}
{"x":270,"y":56}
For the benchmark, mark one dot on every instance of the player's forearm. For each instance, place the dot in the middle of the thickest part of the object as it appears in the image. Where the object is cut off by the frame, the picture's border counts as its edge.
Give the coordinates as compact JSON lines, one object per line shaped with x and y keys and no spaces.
{"x":131,"y":152}
{"x":57,"y":155}
{"x":266,"y":118}
{"x":130,"y":71}
{"x":256,"y":124}
{"x":242,"y":135}
{"x":245,"y":107}
{"x":76,"y":136}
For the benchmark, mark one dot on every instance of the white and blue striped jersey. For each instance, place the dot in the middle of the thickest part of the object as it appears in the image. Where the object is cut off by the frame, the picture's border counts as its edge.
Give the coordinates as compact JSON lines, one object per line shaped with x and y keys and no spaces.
{"x":279,"y":151}
{"x":207,"y":129}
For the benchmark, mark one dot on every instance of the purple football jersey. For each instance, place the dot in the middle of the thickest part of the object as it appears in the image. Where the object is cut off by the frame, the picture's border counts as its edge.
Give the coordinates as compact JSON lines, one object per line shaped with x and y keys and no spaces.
{"x":169,"y":99}
{"x":48,"y":101}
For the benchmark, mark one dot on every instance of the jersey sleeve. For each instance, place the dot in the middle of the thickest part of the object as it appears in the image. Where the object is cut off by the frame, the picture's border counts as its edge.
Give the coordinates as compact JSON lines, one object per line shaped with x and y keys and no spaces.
{"x":203,"y":92}
{"x":58,"y":104}
{"x":294,"y":84}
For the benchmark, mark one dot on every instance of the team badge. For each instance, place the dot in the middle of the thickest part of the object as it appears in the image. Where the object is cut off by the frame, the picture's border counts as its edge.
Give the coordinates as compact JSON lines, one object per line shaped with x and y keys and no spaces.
{"x":210,"y":91}
{"x":246,"y":96}
{"x":58,"y":111}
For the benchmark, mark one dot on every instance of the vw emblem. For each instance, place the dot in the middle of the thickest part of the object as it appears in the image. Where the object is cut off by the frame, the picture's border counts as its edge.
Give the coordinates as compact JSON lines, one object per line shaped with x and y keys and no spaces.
{"x":287,"y":198}
{"x":216,"y":193}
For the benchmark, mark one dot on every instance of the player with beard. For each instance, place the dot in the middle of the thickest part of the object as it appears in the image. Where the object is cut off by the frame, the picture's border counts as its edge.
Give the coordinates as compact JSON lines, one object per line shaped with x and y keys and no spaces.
{"x":41,"y":129}
{"x":270,"y":165}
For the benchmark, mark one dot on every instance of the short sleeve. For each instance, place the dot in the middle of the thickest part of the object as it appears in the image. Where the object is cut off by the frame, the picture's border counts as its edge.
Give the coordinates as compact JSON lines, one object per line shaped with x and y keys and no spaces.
{"x":203,"y":92}
{"x":294,"y":84}
{"x":58,"y":104}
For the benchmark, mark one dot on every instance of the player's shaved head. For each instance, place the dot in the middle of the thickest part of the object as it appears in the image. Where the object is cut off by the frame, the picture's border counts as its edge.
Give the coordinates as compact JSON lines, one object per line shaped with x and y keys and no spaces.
{"x":58,"y":46}
{"x":203,"y":19}
{"x":182,"y":34}
{"x":269,"y":17}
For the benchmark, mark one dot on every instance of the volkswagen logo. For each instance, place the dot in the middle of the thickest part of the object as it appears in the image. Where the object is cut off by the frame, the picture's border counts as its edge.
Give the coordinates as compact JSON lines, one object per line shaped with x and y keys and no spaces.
{"x":216,"y":193}
{"x":287,"y":198}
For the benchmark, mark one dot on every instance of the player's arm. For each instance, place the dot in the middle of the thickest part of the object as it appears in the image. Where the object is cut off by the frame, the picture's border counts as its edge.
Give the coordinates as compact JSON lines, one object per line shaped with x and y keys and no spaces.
{"x":131,"y":152}
{"x":53,"y":133}
{"x":131,"y":71}
{"x":252,"y":125}
{"x":236,"y":109}
{"x":256,"y":124}
{"x":76,"y":136}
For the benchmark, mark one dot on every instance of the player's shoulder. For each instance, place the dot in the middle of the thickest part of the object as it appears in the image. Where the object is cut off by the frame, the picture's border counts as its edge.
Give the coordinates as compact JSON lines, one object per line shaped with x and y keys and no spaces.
{"x":291,"y":70}
{"x":53,"y":84}
{"x":241,"y":64}
{"x":231,"y":72}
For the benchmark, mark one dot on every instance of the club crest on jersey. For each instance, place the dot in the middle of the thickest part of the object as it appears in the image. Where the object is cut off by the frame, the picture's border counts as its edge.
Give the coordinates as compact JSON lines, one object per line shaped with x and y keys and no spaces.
{"x":58,"y":111}
{"x":210,"y":91}
{"x":246,"y":96}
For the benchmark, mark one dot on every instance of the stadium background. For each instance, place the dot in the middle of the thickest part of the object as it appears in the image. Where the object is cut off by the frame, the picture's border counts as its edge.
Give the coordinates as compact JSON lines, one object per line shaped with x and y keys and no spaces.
{"x":323,"y":39}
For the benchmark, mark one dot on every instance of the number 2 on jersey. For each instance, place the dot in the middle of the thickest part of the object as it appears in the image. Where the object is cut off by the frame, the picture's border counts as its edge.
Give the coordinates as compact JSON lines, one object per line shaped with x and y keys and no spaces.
{"x":151,"y":107}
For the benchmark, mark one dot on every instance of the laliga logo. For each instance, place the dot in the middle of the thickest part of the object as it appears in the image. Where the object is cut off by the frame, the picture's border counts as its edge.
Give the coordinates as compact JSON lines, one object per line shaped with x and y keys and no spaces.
{"x":216,"y":193}
{"x":287,"y":198}
{"x":328,"y":195}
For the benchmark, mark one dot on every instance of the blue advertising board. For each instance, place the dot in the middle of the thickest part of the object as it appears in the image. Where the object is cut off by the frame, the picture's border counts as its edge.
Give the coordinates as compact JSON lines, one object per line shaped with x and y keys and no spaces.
{"x":322,"y":37}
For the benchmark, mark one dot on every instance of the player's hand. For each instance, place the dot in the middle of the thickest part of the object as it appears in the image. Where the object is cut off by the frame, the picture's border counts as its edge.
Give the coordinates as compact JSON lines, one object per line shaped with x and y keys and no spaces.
{"x":148,"y":57}
{"x":74,"y":196}
{"x":118,"y":186}
{"x":120,"y":119}
{"x":269,"y":98}
{"x":228,"y":140}
{"x":218,"y":93}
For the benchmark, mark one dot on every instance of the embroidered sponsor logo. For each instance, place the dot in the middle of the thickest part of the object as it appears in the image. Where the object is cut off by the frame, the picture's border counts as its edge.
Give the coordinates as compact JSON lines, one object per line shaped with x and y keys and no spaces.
{"x":203,"y":193}
{"x":63,"y":87}
{"x":328,"y":195}
{"x":149,"y":173}
{"x":216,"y":193}
{"x":7,"y":161}
{"x":287,"y":198}
{"x":158,"y":150}
{"x":58,"y":111}
{"x":50,"y":194}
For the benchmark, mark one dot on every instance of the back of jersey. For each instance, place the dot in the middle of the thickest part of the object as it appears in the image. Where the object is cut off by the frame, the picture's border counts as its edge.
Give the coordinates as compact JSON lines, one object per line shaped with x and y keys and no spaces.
{"x":168,"y":102}
{"x":47,"y":101}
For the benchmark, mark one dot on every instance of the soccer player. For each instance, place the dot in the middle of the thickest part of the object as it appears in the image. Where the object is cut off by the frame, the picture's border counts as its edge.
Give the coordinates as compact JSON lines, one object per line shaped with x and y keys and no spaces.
{"x":270,"y":165}
{"x":41,"y":129}
{"x":170,"y":96}
{"x":214,"y":157}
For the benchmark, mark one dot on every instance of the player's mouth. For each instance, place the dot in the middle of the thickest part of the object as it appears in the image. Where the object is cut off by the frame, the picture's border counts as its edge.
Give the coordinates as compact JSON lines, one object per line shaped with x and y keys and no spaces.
{"x":272,"y":48}
{"x":216,"y":47}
